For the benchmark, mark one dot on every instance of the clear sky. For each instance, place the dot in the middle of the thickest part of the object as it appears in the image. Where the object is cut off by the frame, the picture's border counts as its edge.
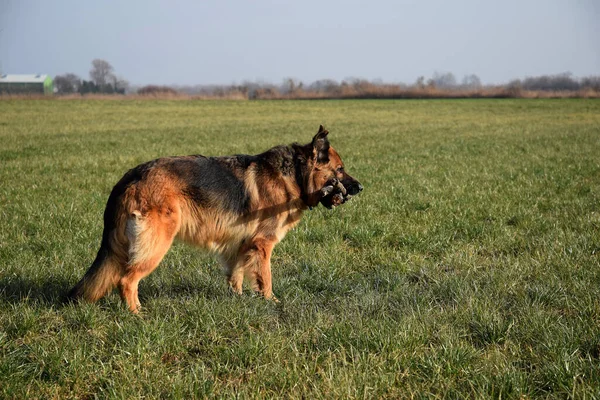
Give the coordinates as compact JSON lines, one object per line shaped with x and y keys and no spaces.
{"x":223,"y":42}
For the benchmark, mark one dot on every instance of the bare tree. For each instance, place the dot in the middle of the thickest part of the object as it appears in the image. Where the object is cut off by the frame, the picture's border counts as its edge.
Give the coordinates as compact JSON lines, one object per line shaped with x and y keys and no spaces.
{"x":591,"y":82}
{"x":291,"y":86}
{"x":119,"y":84}
{"x":324,"y":86}
{"x":420,"y":82}
{"x":101,"y":72}
{"x":67,"y":83}
{"x":564,"y":81}
{"x":471,"y":81}
{"x":443,"y":80}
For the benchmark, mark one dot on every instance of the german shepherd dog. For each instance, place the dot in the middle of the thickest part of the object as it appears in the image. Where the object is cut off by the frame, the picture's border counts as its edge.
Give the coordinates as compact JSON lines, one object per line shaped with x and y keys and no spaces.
{"x":238,"y":206}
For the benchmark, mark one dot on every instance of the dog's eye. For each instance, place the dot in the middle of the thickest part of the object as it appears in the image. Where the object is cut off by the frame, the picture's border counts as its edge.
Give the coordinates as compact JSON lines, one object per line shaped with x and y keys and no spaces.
{"x":340,"y":170}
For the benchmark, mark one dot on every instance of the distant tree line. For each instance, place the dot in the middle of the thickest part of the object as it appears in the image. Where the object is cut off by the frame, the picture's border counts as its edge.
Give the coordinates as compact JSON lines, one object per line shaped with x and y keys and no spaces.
{"x":156,"y":90}
{"x":559,"y":82}
{"x":102,"y":80}
{"x":441,"y":84}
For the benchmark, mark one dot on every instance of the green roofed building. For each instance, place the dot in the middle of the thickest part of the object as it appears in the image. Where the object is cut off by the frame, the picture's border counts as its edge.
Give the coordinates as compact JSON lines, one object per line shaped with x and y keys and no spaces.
{"x":18,"y":84}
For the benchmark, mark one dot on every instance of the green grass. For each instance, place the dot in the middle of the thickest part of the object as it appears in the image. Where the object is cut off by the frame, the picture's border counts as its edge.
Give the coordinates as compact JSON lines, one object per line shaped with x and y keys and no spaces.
{"x":469,"y":266}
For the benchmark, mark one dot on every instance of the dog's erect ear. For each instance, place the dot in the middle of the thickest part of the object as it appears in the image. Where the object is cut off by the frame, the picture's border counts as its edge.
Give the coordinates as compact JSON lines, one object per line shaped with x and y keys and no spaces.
{"x":320,"y":145}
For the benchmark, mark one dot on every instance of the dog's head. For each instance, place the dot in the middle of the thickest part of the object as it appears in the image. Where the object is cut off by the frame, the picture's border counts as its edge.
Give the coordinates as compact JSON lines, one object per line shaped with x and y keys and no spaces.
{"x":327,"y":182}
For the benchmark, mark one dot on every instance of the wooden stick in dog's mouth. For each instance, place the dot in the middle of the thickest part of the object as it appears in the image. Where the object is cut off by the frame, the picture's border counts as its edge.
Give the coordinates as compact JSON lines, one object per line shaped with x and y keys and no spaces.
{"x":334,"y":194}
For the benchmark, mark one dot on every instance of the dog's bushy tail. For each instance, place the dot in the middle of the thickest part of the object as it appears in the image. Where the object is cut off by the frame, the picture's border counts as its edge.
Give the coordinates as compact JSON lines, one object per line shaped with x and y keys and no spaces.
{"x":102,"y":276}
{"x":108,"y":267}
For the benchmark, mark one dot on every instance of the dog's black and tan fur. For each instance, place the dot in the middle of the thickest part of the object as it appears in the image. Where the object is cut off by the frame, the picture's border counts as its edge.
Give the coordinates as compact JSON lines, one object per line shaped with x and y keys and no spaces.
{"x":239,"y":206}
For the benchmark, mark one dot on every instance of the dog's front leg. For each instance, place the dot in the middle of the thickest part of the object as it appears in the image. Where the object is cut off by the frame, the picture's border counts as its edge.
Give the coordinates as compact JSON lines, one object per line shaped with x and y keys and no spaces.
{"x":257,"y":266}
{"x":233,"y":266}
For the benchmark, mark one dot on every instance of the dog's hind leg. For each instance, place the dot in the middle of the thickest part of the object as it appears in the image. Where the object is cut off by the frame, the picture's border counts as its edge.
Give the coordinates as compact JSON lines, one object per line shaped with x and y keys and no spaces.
{"x":150,"y":237}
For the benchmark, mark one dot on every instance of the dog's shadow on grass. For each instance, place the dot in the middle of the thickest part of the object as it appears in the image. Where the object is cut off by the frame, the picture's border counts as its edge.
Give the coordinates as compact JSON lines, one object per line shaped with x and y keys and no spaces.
{"x":52,"y":292}
{"x":21,"y":289}
{"x":183,"y":289}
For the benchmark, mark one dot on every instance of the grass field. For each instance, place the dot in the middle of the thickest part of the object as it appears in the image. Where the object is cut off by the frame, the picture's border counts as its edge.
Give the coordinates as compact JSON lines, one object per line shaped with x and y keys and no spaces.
{"x":469,"y":266}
